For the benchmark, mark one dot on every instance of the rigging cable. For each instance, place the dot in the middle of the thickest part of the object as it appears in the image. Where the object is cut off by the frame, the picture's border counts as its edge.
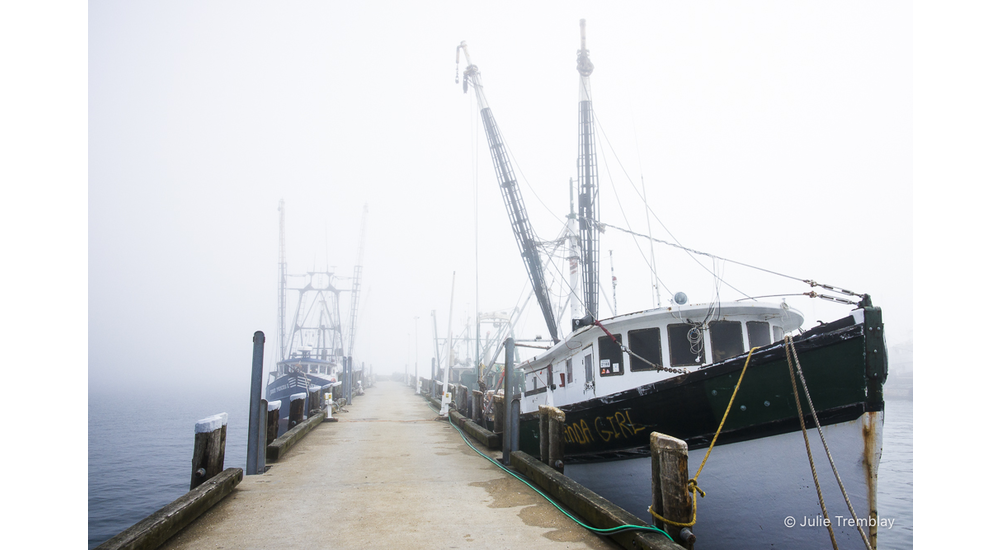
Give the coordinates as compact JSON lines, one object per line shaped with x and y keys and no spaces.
{"x":809,"y":282}
{"x":690,"y":251}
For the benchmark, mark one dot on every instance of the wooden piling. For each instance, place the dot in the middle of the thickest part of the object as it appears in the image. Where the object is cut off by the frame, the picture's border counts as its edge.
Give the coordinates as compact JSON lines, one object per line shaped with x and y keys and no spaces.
{"x":458,"y":400}
{"x":273,"y":414}
{"x":209,"y":448}
{"x":498,"y":410}
{"x":557,"y":421}
{"x":296,"y":410}
{"x":477,"y":407}
{"x":543,"y":433}
{"x":671,"y":499}
{"x":315,"y":399}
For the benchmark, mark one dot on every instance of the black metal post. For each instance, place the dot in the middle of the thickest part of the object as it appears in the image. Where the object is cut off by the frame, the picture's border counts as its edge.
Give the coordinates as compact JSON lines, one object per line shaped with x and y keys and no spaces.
{"x":254,"y":450}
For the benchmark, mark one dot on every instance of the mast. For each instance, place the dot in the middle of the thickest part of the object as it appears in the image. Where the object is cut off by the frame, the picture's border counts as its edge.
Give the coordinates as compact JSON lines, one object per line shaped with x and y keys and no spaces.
{"x":282,"y":279}
{"x":356,"y":286}
{"x":523,"y":232}
{"x":587,"y":177}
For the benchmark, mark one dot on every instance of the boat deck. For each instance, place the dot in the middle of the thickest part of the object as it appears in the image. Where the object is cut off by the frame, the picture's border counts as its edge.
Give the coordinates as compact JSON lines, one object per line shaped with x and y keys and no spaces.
{"x":387,"y":475}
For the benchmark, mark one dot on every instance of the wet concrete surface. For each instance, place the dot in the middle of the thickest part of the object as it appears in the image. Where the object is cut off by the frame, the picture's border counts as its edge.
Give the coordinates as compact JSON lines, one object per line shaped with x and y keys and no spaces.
{"x":389,"y":474}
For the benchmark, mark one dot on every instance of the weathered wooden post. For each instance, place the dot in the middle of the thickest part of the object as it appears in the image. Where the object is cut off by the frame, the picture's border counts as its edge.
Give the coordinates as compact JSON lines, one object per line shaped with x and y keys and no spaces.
{"x":498,"y":410}
{"x":254,"y":466}
{"x":543,"y":433}
{"x":477,"y":407}
{"x":209,"y":448}
{"x":296,"y":409}
{"x":273,"y":415}
{"x":315,"y":400}
{"x":671,"y":498}
{"x":557,"y":421}
{"x":463,"y":400}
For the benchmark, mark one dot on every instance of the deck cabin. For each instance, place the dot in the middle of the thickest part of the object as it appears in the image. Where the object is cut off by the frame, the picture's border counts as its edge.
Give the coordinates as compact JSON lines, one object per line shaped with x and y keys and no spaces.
{"x":664,"y":342}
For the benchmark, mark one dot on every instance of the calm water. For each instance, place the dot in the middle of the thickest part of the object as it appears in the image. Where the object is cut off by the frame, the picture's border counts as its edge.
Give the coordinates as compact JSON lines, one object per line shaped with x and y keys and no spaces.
{"x":140,"y":457}
{"x":895,"y":475}
{"x":140,"y":449}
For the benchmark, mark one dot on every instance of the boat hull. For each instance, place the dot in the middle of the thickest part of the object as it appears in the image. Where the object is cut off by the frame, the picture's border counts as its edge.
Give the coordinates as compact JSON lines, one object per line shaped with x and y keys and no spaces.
{"x":288,"y":385}
{"x":753,"y":487}
{"x":845,"y":381}
{"x":758,"y":473}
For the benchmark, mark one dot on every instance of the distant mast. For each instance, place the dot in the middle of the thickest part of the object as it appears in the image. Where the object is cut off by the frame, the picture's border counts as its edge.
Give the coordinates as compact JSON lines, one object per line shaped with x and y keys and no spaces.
{"x":282,"y":277}
{"x":586,"y":167}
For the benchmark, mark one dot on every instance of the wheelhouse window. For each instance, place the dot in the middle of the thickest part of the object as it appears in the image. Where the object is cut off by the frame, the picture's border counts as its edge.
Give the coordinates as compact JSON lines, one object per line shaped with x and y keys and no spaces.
{"x":727,"y":339}
{"x":588,"y":367}
{"x":569,"y":370}
{"x":685,"y":351}
{"x":646,"y":344}
{"x":759,"y":333}
{"x":611,"y":355}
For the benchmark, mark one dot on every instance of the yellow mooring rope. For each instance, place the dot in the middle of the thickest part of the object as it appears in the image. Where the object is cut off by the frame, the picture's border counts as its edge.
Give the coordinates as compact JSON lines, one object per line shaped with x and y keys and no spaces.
{"x":693,"y":482}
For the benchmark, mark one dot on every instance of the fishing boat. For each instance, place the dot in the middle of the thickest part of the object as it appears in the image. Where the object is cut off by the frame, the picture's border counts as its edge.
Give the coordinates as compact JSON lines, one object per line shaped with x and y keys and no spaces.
{"x":316,"y":352}
{"x":315,"y":356}
{"x":732,"y":377}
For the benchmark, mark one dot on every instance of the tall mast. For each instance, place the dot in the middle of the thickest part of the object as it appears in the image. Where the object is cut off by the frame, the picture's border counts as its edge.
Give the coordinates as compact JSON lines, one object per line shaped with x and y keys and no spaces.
{"x":586,"y":169}
{"x":356,"y":285}
{"x":523,"y":232}
{"x":282,"y":279}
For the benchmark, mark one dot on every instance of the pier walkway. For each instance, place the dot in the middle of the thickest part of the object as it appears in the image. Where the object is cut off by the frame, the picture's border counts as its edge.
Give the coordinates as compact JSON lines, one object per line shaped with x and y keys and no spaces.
{"x":387,"y":475}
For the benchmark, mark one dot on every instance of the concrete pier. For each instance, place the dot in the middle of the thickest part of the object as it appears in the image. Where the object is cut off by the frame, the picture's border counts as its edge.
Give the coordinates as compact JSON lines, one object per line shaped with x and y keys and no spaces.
{"x":389,"y":474}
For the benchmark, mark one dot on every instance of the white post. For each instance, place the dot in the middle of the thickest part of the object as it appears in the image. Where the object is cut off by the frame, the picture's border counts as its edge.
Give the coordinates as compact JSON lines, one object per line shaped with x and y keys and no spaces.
{"x":416,"y":354}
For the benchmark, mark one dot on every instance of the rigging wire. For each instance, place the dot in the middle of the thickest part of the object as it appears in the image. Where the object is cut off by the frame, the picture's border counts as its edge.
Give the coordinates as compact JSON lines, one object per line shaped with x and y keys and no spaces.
{"x":691,"y":251}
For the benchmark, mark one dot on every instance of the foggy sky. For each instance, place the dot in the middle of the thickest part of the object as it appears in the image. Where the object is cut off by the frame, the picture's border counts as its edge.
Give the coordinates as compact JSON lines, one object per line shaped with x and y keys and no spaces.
{"x":776,"y":135}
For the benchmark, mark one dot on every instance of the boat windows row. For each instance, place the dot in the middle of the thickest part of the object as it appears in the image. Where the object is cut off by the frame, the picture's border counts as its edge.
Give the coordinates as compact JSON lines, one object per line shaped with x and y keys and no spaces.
{"x":686,"y":345}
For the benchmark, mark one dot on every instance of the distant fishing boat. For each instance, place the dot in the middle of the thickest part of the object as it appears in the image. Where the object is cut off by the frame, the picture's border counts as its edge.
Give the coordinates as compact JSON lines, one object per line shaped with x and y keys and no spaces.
{"x":675,"y":369}
{"x":314,"y":353}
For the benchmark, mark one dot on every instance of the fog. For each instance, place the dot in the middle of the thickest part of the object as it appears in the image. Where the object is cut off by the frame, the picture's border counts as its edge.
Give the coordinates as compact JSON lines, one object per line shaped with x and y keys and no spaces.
{"x":777,"y":135}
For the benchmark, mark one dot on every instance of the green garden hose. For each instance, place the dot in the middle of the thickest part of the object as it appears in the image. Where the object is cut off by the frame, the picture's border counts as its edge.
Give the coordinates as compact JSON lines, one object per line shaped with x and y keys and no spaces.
{"x":609,"y":531}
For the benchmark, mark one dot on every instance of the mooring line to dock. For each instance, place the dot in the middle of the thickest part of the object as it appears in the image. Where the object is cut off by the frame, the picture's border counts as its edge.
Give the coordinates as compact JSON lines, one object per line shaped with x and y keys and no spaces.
{"x":790,"y":345}
{"x":609,"y":531}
